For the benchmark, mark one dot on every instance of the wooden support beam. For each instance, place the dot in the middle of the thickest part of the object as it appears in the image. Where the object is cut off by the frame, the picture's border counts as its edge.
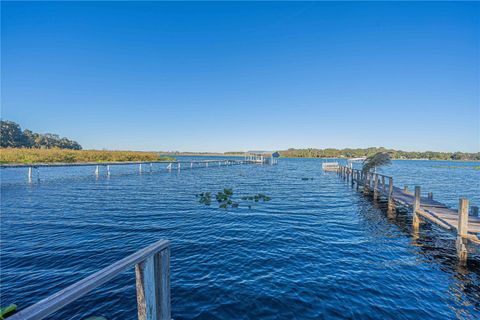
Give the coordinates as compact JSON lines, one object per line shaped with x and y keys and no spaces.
{"x":384,"y":190}
{"x":416,"y":206}
{"x":153,"y":287}
{"x":391,"y":203}
{"x":405,"y":188}
{"x":462,"y":229}
{"x":375,"y":187}
{"x":463,"y":217}
{"x":430,"y":195}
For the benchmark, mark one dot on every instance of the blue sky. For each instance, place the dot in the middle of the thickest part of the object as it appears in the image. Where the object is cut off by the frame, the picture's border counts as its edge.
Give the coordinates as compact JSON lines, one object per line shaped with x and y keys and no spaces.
{"x":239,"y":76}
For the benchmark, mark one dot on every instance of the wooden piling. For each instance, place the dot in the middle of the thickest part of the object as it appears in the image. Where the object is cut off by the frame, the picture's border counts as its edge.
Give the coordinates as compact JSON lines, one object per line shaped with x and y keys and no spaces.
{"x":430,"y":195}
{"x":30,"y":174}
{"x":375,"y":187}
{"x":415,"y":207}
{"x":462,"y":229}
{"x":96,"y":171}
{"x":108,"y":170}
{"x":463,"y":217}
{"x":391,"y":204}
{"x":153,"y":287}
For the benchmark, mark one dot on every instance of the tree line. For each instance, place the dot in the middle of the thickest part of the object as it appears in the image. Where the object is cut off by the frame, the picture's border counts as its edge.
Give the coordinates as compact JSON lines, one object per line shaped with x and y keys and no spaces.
{"x":394,"y":154}
{"x":12,"y":136}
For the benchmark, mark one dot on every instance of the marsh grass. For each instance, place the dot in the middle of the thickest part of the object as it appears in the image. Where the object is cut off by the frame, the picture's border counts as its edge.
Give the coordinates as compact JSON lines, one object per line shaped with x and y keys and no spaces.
{"x":25,"y":155}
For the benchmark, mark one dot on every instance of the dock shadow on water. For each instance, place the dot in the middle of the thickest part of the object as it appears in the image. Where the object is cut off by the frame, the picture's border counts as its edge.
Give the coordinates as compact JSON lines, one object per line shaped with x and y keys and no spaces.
{"x":317,"y":249}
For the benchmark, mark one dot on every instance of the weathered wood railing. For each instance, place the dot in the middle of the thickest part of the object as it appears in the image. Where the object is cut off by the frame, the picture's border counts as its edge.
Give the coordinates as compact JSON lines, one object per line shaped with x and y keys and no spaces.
{"x":152,"y":269}
{"x":462,"y":223}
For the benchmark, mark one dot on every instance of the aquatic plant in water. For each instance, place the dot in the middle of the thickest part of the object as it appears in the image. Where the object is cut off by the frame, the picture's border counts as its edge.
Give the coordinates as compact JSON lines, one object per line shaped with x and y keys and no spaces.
{"x":224,"y":198}
{"x":257,"y":197}
{"x":205,"y":198}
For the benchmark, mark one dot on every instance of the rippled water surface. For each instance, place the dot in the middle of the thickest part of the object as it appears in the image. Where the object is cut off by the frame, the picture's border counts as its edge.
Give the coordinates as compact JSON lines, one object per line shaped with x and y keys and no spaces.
{"x":318,"y":249}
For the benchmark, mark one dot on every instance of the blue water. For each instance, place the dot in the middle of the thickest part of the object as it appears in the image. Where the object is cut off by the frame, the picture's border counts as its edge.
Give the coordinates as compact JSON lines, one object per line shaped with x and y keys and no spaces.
{"x":318,"y":249}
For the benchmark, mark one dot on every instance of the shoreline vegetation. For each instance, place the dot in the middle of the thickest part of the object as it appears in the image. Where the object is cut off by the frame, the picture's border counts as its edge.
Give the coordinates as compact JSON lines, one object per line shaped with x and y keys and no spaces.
{"x":351,"y":153}
{"x":55,"y":155}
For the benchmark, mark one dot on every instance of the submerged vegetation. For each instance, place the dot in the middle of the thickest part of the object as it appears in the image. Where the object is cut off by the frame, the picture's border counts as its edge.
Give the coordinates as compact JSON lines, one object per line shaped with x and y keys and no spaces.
{"x":25,"y":156}
{"x":224,"y":198}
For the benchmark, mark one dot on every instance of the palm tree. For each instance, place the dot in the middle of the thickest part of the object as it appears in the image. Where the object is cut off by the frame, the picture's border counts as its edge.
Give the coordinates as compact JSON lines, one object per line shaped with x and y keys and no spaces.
{"x":379,"y":159}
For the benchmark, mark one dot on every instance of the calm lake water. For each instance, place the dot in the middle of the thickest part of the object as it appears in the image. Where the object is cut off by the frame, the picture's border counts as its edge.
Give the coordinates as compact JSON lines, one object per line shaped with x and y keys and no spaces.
{"x":318,"y":249}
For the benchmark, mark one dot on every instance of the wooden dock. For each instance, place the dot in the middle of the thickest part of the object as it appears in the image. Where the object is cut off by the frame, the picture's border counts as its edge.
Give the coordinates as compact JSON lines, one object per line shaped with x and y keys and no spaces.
{"x":461,"y":222}
{"x":143,"y":166}
{"x":152,"y":271}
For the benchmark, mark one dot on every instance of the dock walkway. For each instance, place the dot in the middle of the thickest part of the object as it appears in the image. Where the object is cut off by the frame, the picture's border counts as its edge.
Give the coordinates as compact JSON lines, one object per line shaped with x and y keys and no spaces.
{"x":460,"y":222}
{"x":169,"y":165}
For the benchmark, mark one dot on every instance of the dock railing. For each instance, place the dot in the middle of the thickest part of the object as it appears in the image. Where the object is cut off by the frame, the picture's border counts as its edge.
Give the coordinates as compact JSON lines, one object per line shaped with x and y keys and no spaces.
{"x":462,"y":222}
{"x":152,"y":270}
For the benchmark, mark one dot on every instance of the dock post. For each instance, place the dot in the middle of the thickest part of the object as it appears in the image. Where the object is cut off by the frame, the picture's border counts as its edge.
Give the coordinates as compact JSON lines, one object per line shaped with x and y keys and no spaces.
{"x":430,"y":195}
{"x":108,"y":170}
{"x":391,"y":205}
{"x":352,"y":173}
{"x":462,"y":229}
{"x":384,"y":189}
{"x":150,"y":167}
{"x":365,"y":183}
{"x":358,"y":179}
{"x":375,"y":187}
{"x":474,"y":211}
{"x":96,"y":171}
{"x":30,"y":174}
{"x":140,"y":168}
{"x":405,"y":188}
{"x":416,"y":206}
{"x":153,"y":287}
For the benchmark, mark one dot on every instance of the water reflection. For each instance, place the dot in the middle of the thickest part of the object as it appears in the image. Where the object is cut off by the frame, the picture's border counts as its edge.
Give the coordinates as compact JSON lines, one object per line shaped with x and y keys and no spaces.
{"x":435,"y":246}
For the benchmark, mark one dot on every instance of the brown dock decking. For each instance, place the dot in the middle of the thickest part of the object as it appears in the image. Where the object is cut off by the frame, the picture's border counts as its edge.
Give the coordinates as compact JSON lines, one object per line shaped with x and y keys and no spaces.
{"x":460,"y":222}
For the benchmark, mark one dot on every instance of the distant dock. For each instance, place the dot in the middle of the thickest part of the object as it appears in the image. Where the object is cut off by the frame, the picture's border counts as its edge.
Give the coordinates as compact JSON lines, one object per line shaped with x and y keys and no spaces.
{"x":146,"y":166}
{"x":462,"y":222}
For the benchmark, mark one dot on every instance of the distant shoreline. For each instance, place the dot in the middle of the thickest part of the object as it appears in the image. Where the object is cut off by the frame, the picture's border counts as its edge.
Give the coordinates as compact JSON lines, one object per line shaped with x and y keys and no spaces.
{"x":284,"y":157}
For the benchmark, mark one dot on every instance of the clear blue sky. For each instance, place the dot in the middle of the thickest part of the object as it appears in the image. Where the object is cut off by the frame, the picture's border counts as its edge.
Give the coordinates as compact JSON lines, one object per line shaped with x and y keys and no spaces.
{"x":239,"y":76}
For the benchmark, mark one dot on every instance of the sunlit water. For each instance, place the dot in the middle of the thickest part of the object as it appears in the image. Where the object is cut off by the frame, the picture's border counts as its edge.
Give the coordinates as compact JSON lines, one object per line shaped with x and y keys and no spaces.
{"x":318,"y":249}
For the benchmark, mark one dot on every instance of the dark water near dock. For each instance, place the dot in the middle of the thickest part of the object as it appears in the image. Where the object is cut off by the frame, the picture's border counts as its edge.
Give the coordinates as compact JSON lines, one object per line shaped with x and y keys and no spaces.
{"x":318,"y":249}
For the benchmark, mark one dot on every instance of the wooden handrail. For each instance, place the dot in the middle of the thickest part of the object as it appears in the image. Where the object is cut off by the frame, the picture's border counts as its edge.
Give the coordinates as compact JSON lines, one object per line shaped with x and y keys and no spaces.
{"x":152,"y":266}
